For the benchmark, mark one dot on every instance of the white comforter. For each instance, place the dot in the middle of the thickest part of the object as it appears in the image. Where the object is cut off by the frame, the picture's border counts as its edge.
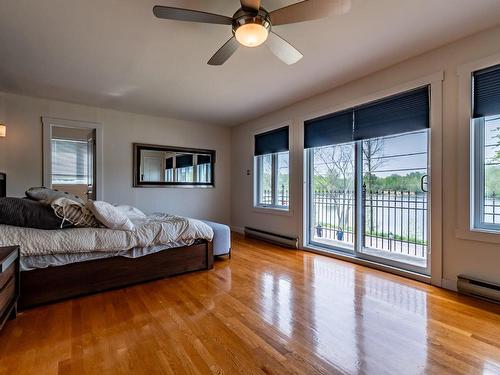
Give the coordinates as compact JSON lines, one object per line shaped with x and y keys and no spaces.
{"x":153,"y":230}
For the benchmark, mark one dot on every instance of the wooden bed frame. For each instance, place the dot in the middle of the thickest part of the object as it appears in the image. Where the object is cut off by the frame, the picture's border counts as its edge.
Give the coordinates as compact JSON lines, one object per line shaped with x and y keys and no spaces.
{"x":52,"y":284}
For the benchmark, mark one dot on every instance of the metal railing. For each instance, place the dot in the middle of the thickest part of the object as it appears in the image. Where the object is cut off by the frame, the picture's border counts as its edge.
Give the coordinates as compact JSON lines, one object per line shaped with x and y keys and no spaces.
{"x":394,"y":221}
{"x":492,"y":209}
{"x":333,"y":215}
{"x":283,"y":197}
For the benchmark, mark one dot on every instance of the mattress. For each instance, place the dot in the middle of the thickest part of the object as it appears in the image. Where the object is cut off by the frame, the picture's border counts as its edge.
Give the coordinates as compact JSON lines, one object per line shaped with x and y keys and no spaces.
{"x":221,"y":246}
{"x":153,"y":230}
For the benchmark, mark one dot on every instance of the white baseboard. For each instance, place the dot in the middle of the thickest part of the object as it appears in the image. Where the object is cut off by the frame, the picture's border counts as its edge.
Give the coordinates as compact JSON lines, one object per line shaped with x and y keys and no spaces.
{"x":238,"y":229}
{"x":449,"y":284}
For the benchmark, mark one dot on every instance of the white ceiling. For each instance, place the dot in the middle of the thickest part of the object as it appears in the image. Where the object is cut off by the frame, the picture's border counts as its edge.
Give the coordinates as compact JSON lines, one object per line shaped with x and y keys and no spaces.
{"x":116,"y":54}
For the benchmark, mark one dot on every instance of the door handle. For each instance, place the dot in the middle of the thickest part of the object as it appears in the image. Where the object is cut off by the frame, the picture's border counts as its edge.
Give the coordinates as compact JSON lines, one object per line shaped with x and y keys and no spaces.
{"x":423,"y":183}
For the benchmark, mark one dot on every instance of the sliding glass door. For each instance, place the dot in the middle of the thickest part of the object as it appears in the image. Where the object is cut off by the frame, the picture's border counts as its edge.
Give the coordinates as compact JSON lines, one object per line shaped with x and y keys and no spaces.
{"x":394,"y":199}
{"x":369,"y":196}
{"x":332,"y":198}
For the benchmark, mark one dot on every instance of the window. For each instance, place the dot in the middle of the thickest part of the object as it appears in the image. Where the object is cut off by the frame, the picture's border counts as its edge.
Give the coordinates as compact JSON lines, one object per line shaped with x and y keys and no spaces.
{"x":203,"y":168}
{"x":486,"y":146}
{"x":69,"y":162}
{"x":367,"y":177}
{"x":272,"y":169}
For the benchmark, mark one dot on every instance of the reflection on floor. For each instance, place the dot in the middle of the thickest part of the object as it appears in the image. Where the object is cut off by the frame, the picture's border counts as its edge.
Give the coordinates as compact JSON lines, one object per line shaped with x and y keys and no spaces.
{"x":397,"y":253}
{"x":267,"y":310}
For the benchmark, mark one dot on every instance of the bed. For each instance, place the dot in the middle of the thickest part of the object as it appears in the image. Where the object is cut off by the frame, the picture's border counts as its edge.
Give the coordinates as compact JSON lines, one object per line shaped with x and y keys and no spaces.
{"x":61,"y":264}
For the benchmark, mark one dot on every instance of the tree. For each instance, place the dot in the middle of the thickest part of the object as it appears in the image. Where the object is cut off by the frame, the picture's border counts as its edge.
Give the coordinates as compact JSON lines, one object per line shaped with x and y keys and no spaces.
{"x":492,"y":171}
{"x":333,"y":171}
{"x":372,"y":152}
{"x":497,"y":148}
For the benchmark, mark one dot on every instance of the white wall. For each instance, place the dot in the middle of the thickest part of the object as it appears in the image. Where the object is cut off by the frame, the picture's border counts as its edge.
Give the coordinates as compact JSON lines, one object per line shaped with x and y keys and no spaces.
{"x":472,"y":257}
{"x":21,"y":154}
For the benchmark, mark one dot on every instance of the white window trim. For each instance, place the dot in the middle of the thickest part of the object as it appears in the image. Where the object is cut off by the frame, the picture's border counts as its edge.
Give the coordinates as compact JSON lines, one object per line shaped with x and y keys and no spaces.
{"x":48,"y":124}
{"x":272,"y":209}
{"x":477,"y":182}
{"x":435,"y":158}
{"x":466,"y":189}
{"x":274,"y":187}
{"x":71,"y":141}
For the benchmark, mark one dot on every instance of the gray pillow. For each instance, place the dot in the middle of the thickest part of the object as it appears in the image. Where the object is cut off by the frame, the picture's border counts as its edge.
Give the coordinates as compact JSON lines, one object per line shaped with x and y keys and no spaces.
{"x":28,"y":213}
{"x":47,"y":196}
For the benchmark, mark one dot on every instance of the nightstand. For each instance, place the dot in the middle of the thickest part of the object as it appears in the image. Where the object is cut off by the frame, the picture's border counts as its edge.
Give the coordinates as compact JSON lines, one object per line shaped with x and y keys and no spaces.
{"x":9,"y":283}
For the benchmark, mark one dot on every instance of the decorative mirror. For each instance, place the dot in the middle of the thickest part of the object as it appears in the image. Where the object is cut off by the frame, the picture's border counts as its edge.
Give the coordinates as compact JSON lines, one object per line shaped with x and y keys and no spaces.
{"x":156,"y":166}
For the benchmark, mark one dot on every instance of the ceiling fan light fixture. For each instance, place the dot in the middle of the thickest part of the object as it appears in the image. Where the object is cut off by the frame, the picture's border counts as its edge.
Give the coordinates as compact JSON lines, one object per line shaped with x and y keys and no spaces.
{"x":251,"y":34}
{"x":252,"y":24}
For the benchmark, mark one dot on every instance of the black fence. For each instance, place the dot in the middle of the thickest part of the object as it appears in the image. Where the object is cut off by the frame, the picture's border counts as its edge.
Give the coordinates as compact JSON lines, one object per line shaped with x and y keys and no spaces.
{"x":394,"y":221}
{"x":283,"y":197}
{"x":492,"y":209}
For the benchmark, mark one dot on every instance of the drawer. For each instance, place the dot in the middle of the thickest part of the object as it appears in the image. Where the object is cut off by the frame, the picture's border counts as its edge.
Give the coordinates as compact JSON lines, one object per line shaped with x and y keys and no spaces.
{"x":7,"y":275}
{"x":7,"y":293}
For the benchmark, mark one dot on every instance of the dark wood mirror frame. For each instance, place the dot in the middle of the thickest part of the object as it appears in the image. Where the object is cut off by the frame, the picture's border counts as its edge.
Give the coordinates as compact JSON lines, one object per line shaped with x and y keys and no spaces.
{"x":138,"y":182}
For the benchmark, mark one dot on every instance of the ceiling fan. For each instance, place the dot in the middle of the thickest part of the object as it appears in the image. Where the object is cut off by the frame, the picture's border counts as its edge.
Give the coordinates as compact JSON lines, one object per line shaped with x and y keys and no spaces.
{"x":253,"y":25}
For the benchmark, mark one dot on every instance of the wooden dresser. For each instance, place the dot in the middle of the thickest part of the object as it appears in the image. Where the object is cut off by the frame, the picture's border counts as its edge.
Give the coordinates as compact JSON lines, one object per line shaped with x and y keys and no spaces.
{"x":9,"y":283}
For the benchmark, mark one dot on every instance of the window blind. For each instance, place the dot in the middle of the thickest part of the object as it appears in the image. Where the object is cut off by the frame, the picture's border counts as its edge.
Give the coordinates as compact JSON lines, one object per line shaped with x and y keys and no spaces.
{"x":69,"y":161}
{"x":272,"y":141}
{"x":184,"y":161}
{"x":486,"y":92}
{"x":203,"y":159}
{"x":402,"y":113}
{"x":169,"y":163}
{"x":329,"y":130}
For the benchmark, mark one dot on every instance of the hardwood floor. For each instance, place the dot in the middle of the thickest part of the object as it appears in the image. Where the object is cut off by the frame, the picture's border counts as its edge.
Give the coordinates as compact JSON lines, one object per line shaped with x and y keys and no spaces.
{"x":267,"y":310}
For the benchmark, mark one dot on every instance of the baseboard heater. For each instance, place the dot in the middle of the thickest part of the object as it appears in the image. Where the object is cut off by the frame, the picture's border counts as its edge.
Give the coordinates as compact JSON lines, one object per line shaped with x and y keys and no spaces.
{"x":479,"y":288}
{"x":278,"y":239}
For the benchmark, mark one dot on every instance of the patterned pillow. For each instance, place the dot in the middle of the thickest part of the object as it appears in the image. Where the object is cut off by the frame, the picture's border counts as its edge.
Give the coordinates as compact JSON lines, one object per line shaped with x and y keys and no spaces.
{"x":77,"y":214}
{"x":46,"y":195}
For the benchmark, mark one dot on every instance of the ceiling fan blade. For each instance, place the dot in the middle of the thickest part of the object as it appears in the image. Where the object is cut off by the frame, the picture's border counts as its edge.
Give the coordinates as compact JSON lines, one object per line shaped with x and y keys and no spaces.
{"x":250,"y":5}
{"x":181,"y":14}
{"x":282,"y":49}
{"x":309,"y":10}
{"x":225,"y":52}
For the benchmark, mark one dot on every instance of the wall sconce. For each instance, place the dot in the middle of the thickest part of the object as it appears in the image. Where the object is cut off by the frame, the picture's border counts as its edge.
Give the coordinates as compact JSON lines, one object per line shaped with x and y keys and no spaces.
{"x":3,"y":131}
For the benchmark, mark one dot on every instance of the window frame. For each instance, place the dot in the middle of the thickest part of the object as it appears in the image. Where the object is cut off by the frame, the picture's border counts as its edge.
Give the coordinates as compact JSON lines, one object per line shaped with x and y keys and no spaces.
{"x":47,"y":124}
{"x":85,"y":161}
{"x":357,"y":248}
{"x":477,"y":182}
{"x":258,"y":168}
{"x":464,"y":160}
{"x":435,"y":80}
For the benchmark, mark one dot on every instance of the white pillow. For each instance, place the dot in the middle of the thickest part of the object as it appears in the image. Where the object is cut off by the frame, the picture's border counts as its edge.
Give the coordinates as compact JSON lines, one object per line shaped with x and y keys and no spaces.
{"x":111,"y":217}
{"x":131,"y":212}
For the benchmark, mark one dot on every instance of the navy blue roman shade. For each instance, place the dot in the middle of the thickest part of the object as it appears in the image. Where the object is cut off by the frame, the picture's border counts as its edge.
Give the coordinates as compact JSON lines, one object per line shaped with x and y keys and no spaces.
{"x":401,"y":113}
{"x":169,"y":164}
{"x":486,"y":86}
{"x":272,"y":141}
{"x":184,"y":161}
{"x":203,"y":159}
{"x":329,"y":130}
